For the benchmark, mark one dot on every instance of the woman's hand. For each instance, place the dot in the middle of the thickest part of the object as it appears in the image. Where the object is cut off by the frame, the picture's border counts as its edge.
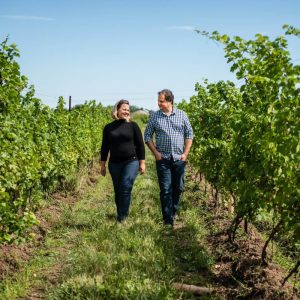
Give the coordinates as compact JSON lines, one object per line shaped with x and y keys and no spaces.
{"x":102,"y":168}
{"x":142,"y":167}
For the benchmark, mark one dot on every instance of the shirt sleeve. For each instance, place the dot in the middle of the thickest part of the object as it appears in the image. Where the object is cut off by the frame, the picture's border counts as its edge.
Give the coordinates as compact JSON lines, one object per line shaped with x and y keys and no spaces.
{"x":188,"y":130}
{"x":138,"y":142}
{"x":105,"y":145}
{"x":149,"y":131}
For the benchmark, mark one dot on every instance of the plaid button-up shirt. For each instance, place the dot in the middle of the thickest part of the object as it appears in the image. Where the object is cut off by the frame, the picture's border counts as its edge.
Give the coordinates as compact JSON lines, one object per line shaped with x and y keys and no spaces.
{"x":170,"y":132}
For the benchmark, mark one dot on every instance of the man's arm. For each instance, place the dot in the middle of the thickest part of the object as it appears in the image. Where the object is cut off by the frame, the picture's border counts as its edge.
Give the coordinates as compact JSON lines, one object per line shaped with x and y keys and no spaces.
{"x":149,"y":131}
{"x":153,"y":149}
{"x":188,"y":137}
{"x":187,"y":147}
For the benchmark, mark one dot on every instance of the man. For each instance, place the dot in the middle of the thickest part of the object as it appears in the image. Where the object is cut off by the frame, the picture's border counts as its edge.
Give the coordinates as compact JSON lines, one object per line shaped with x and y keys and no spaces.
{"x":174,"y":136}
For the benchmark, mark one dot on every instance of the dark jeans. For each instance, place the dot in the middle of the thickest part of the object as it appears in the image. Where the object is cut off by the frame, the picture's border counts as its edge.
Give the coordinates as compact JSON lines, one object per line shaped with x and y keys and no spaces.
{"x":171,"y":182}
{"x":123,"y":176}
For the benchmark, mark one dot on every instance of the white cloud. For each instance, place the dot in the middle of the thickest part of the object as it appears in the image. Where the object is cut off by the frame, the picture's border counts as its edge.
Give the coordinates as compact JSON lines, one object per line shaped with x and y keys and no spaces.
{"x":188,"y":28}
{"x":30,"y":18}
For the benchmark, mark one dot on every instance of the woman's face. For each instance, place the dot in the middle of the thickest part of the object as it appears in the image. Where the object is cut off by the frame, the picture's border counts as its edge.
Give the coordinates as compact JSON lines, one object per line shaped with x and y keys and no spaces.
{"x":123,"y":112}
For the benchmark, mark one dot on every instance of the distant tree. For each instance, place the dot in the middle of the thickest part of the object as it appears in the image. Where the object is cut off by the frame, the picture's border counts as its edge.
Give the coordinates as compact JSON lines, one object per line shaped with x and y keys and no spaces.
{"x":134,"y":108}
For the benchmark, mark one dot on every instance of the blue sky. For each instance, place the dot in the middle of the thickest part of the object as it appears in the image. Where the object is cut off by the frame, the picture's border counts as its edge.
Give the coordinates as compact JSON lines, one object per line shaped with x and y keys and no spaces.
{"x":111,"y":49}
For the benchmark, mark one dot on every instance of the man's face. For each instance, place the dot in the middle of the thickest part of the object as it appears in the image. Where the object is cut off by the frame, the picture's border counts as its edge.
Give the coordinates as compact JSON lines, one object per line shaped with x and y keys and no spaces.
{"x":163,"y":104}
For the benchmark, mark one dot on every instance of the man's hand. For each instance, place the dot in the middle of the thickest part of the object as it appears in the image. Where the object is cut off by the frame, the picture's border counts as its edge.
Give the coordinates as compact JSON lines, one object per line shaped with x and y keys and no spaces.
{"x":152,"y":147}
{"x":183,"y":157}
{"x":158,"y":156}
{"x":187,"y":147}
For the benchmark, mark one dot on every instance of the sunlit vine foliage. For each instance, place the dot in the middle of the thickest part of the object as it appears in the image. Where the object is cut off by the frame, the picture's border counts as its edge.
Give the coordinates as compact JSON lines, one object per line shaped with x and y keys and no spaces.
{"x":247,"y":137}
{"x":39,"y":146}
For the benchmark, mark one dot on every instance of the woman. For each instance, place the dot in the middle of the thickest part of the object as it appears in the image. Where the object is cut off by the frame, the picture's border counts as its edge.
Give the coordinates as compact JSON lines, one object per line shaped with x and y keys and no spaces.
{"x":123,"y":139}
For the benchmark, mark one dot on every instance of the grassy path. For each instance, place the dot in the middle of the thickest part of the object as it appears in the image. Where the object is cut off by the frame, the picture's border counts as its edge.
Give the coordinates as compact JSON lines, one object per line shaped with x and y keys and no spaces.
{"x":87,"y":255}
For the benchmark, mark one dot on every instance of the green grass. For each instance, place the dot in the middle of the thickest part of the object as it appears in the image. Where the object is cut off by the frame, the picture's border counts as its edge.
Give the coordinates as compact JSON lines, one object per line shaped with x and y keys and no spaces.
{"x":138,"y":259}
{"x":88,"y":255}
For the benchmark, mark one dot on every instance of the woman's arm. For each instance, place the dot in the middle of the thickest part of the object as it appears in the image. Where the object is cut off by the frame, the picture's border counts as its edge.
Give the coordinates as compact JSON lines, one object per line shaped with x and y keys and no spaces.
{"x":104,"y":152}
{"x":140,"y":147}
{"x":142,"y":167}
{"x":102,"y":168}
{"x":138,"y":141}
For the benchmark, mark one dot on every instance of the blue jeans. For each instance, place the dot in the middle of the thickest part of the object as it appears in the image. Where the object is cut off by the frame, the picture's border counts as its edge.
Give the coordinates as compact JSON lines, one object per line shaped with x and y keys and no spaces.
{"x":123,"y":176}
{"x":171,"y":182}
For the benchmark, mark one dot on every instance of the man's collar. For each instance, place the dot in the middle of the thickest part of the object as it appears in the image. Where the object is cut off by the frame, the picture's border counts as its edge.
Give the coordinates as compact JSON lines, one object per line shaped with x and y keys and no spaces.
{"x":172,"y":113}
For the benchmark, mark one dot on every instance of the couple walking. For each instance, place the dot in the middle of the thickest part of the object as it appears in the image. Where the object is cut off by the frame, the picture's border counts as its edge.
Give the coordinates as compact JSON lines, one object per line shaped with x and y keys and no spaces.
{"x":123,"y":140}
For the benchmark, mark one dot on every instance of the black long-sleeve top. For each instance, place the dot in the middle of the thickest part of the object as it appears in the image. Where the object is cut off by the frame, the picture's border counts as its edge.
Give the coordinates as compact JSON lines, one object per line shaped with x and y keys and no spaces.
{"x":123,"y":140}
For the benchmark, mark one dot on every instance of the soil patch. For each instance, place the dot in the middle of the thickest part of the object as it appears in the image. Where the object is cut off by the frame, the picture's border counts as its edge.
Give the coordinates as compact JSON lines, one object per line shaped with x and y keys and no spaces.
{"x":238,"y":272}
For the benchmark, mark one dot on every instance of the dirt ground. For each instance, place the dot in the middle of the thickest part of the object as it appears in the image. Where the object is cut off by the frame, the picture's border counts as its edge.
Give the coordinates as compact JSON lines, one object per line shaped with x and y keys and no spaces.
{"x":238,"y":271}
